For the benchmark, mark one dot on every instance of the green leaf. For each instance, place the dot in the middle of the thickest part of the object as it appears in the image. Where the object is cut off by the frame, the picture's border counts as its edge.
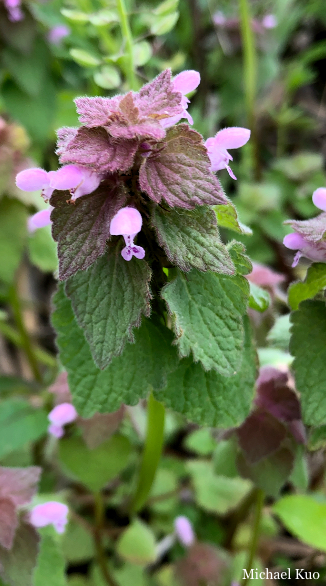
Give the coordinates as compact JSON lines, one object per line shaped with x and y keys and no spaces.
{"x":94,"y":468}
{"x":190,"y":239}
{"x":78,"y":544}
{"x":108,"y":301}
{"x":43,"y":250}
{"x":207,"y":398}
{"x":50,"y":568}
{"x":17,"y":565}
{"x":308,"y":346}
{"x":164,"y":24}
{"x":216,"y":494}
{"x":166,"y":7}
{"x":279,"y":334}
{"x":165,"y":482}
{"x":304,"y":517}
{"x":207,"y":312}
{"x":75,"y":15}
{"x":20,"y":423}
{"x":30,"y":71}
{"x":108,"y":77}
{"x":241,"y":261}
{"x":271,"y":473}
{"x":227,"y":217}
{"x":103,"y":17}
{"x":142,"y":53}
{"x":127,"y":379}
{"x":314,"y":282}
{"x":300,"y":166}
{"x":259,"y":298}
{"x":13,"y":235}
{"x":200,"y":441}
{"x":84,"y":58}
{"x":317,"y":438}
{"x":137,"y":544}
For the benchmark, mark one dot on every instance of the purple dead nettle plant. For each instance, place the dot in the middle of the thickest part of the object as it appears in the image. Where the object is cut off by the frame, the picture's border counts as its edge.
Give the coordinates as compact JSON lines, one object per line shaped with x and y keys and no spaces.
{"x":130,"y":148}
{"x":309,"y":235}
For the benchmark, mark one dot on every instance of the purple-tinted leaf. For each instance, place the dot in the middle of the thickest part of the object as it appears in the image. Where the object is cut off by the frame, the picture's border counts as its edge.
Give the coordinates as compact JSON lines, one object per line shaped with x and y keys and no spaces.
{"x":274,"y":395}
{"x":298,"y":430}
{"x":158,"y":99}
{"x":99,"y":428}
{"x":179,"y":171}
{"x":8,"y":522}
{"x":203,"y":564}
{"x":17,"y":565}
{"x":108,"y":301}
{"x":312,"y":230}
{"x":60,"y":389}
{"x":94,"y":148}
{"x":65,"y":136}
{"x":132,"y":125}
{"x":190,"y":239}
{"x":19,"y":484}
{"x":271,"y":473}
{"x":97,"y":111}
{"x":260,"y":435}
{"x":82,"y":229}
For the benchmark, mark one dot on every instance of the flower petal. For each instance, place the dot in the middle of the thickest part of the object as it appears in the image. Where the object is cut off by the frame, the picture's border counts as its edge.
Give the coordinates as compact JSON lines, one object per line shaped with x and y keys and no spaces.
{"x":40,"y":219}
{"x":32,"y":179}
{"x":127,"y":221}
{"x":233,"y":137}
{"x":319,"y":198}
{"x":67,"y":177}
{"x":186,"y":81}
{"x":294,"y":241}
{"x":62,"y":414}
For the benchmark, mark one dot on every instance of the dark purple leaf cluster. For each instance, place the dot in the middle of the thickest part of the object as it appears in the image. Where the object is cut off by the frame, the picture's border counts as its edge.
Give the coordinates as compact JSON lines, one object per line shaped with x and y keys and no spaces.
{"x":268,"y":439}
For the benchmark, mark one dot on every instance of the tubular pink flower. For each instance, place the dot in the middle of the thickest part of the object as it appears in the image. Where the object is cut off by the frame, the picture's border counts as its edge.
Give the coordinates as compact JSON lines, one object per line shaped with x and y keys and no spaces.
{"x":227,"y":138}
{"x":39,"y":220}
{"x":184,"y":531}
{"x":319,"y":198}
{"x":60,"y":416}
{"x":14,"y":10}
{"x":185,"y":82}
{"x":89,"y":183}
{"x":32,"y":179}
{"x":294,"y":241}
{"x":127,"y":223}
{"x":67,"y":177}
{"x":51,"y":513}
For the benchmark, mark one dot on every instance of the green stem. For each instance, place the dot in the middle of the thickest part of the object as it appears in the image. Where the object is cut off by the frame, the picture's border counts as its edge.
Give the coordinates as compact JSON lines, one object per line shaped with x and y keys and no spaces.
{"x":13,"y":336}
{"x":24,"y":336}
{"x":255,"y":532}
{"x":99,"y":511}
{"x":126,"y":33}
{"x":152,"y":452}
{"x":250,"y":76}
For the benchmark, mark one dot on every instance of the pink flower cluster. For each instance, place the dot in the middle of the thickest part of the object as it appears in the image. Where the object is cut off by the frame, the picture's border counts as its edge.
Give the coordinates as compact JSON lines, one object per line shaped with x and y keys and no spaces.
{"x":15,"y":12}
{"x":308,"y":237}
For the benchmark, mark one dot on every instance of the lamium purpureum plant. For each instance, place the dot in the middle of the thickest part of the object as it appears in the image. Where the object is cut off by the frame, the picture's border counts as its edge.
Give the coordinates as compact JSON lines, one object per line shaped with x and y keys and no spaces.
{"x":150,"y":299}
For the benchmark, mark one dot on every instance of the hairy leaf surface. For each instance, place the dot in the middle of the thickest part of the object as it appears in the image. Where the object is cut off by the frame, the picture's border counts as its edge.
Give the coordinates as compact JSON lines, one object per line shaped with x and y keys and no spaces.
{"x":179,"y":171}
{"x":207,"y":311}
{"x":82,"y":229}
{"x":108,"y":301}
{"x":191,"y":239}
{"x":127,"y":379}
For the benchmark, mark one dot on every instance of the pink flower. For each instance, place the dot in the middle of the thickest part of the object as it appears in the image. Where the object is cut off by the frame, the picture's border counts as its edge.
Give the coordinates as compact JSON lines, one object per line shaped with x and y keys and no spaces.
{"x":227,"y":138}
{"x":57,"y":33}
{"x":14,"y":10}
{"x":269,"y":21}
{"x":127,"y":223}
{"x":39,"y":220}
{"x":185,"y":82}
{"x":319,"y":198}
{"x":184,"y":531}
{"x":51,"y":513}
{"x":315,"y":251}
{"x":60,"y":416}
{"x":78,"y":180}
